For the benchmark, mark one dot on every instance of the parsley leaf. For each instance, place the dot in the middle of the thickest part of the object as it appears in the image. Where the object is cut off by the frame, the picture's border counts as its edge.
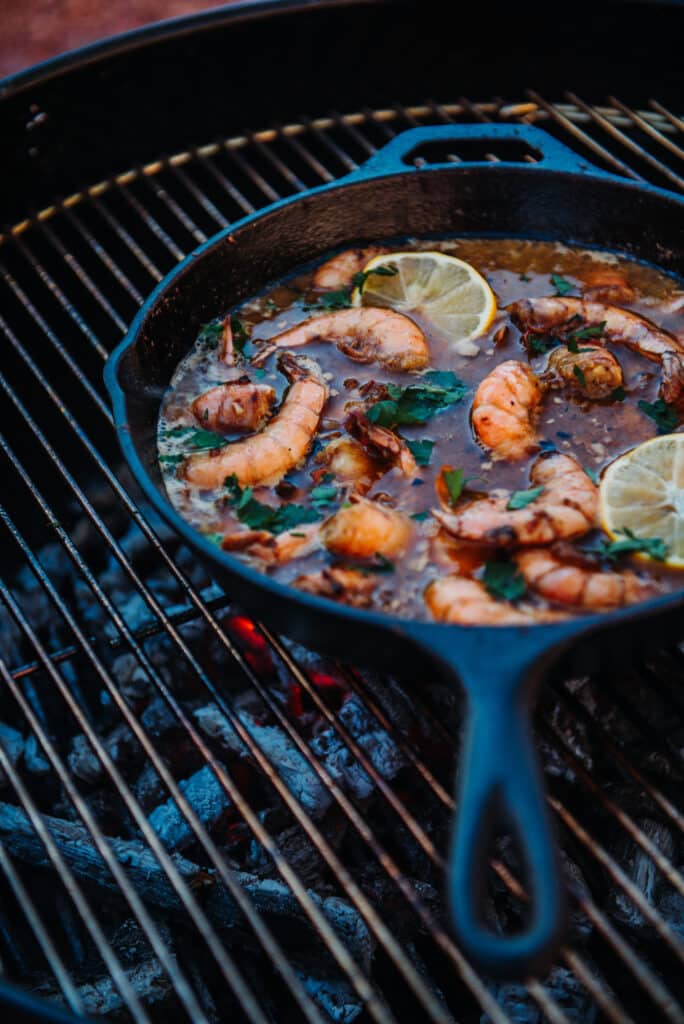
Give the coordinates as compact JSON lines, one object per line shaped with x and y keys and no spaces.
{"x":323,"y":494}
{"x":240,"y":333}
{"x":203,"y":440}
{"x":519,"y":499}
{"x":574,"y":347}
{"x":664,"y":417}
{"x":338,"y":299}
{"x":579,"y":373}
{"x":455,"y":481}
{"x":384,"y":270}
{"x":541,"y":343}
{"x":584,"y":333}
{"x":420,"y":517}
{"x":561,"y":285}
{"x":421,"y":450}
{"x":654,"y":547}
{"x":257,"y":516}
{"x":417,"y":403}
{"x":503,"y":580}
{"x":210,"y":334}
{"x":618,"y":394}
{"x":592,"y":474}
{"x":214,"y":538}
{"x":170,"y":460}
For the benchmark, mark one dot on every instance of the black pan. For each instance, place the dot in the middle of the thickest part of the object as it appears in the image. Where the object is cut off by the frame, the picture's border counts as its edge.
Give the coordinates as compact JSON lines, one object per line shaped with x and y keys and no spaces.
{"x":560,"y":197}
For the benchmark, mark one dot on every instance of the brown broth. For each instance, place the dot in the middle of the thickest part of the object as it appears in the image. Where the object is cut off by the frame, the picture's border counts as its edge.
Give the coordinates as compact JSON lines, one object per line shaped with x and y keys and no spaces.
{"x":595,"y":433}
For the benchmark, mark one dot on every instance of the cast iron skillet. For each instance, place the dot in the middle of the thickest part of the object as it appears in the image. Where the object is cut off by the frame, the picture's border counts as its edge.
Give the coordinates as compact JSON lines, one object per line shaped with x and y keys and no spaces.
{"x":499,"y":668}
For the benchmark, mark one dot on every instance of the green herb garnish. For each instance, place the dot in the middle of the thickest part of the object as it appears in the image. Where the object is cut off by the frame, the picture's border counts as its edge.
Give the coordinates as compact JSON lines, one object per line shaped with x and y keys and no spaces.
{"x":170,"y":460}
{"x":214,"y":538}
{"x":561,"y":285}
{"x":210,"y":334}
{"x":421,"y":450}
{"x":240,"y":333}
{"x":270,"y":306}
{"x":519,"y":499}
{"x":584,"y":333}
{"x":202,"y":440}
{"x":503,"y":580}
{"x":618,"y":394}
{"x":541,"y":343}
{"x":579,"y":373}
{"x":384,"y":270}
{"x":420,"y":517}
{"x":592,"y":474}
{"x":257,"y":516}
{"x":323,"y":495}
{"x":663,"y":415}
{"x":654,"y":547}
{"x":455,"y":481}
{"x":417,"y":403}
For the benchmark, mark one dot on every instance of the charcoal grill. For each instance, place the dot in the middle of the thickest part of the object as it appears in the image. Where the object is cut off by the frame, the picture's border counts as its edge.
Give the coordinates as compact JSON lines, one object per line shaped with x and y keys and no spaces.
{"x":298,"y":875}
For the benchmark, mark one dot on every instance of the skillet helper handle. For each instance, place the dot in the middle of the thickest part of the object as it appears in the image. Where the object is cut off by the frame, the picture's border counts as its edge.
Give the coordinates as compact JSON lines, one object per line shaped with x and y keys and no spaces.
{"x":500,"y":784}
{"x":548,"y":152}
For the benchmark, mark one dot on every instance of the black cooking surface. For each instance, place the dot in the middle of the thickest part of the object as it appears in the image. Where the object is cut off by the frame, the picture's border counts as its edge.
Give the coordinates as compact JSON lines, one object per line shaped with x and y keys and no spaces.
{"x":125,"y":671}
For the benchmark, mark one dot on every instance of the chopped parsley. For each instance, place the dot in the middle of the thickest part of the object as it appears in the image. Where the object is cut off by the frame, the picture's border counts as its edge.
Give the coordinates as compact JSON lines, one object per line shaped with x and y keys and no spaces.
{"x":585,"y":333}
{"x":592,"y":474}
{"x":214,"y":538}
{"x":257,"y":516}
{"x":454,"y":481}
{"x":340,"y":298}
{"x":654,"y":547}
{"x":421,"y":450}
{"x":195,"y":437}
{"x":541,"y":343}
{"x":519,"y":499}
{"x":323,"y":495}
{"x":561,"y":285}
{"x":579,"y":373}
{"x":417,"y":403}
{"x":210,"y":334}
{"x":503,"y":580}
{"x":618,"y":394}
{"x":663,"y":415}
{"x":270,"y":306}
{"x":420,"y":517}
{"x":170,"y":460}
{"x":240,"y":333}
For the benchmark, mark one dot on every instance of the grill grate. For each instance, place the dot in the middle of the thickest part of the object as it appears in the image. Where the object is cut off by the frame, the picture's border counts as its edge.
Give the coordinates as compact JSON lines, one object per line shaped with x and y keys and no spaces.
{"x":112,"y":589}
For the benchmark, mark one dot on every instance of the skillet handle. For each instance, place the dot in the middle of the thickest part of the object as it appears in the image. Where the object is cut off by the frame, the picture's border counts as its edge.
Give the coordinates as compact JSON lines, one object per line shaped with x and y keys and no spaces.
{"x":550,"y":154}
{"x":500,"y":784}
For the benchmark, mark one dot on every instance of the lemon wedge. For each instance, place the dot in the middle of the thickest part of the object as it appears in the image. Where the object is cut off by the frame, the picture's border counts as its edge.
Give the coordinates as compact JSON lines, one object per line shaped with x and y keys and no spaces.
{"x":643,"y":492}
{"x":448,"y":291}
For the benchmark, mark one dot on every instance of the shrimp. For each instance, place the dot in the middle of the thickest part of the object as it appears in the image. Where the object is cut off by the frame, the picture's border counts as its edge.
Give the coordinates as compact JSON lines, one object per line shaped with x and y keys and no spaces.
{"x":272,"y":549}
{"x":458,"y":600}
{"x":565,"y":508}
{"x":347,"y":585}
{"x":349,"y":462}
{"x":235,"y":405}
{"x":563,"y":315}
{"x":604,"y":285}
{"x":381,"y":443}
{"x":504,"y":409}
{"x":580,"y":585}
{"x":365,"y":334}
{"x":266,"y":457}
{"x":592,"y":370}
{"x":338,"y":272}
{"x":365,"y":528}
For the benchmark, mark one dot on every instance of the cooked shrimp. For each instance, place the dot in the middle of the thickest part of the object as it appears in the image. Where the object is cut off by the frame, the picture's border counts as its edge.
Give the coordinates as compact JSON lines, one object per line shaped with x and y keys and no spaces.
{"x":566,"y":508}
{"x":564,"y":315}
{"x":365,"y":334}
{"x":338,"y":272}
{"x":458,"y":600}
{"x":266,"y":457}
{"x":235,"y":405}
{"x":380,"y":443}
{"x":347,"y":585}
{"x":504,"y":409}
{"x":592,"y":370}
{"x":459,"y":556}
{"x":605,"y":285}
{"x":272,"y":549}
{"x":571,"y":583}
{"x":365,"y":529}
{"x":349,"y":462}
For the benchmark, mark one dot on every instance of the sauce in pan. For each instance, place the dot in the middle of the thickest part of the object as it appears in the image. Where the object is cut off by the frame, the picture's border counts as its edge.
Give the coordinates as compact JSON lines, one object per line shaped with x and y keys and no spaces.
{"x":406,"y":492}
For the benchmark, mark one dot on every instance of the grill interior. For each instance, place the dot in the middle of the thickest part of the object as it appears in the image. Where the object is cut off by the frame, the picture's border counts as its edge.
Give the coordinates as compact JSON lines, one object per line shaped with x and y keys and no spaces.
{"x":202,"y":821}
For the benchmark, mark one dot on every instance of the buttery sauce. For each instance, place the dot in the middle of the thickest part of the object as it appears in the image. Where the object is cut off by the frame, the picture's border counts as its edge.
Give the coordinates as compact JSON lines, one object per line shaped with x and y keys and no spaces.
{"x":593,"y":432}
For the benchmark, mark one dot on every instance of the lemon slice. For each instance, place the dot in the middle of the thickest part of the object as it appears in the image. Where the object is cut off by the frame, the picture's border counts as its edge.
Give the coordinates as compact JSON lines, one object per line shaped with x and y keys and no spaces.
{"x":449,"y":291}
{"x":643,"y":491}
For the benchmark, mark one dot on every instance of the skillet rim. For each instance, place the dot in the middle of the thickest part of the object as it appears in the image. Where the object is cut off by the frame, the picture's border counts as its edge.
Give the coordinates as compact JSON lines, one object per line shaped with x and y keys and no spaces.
{"x":549,"y":634}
